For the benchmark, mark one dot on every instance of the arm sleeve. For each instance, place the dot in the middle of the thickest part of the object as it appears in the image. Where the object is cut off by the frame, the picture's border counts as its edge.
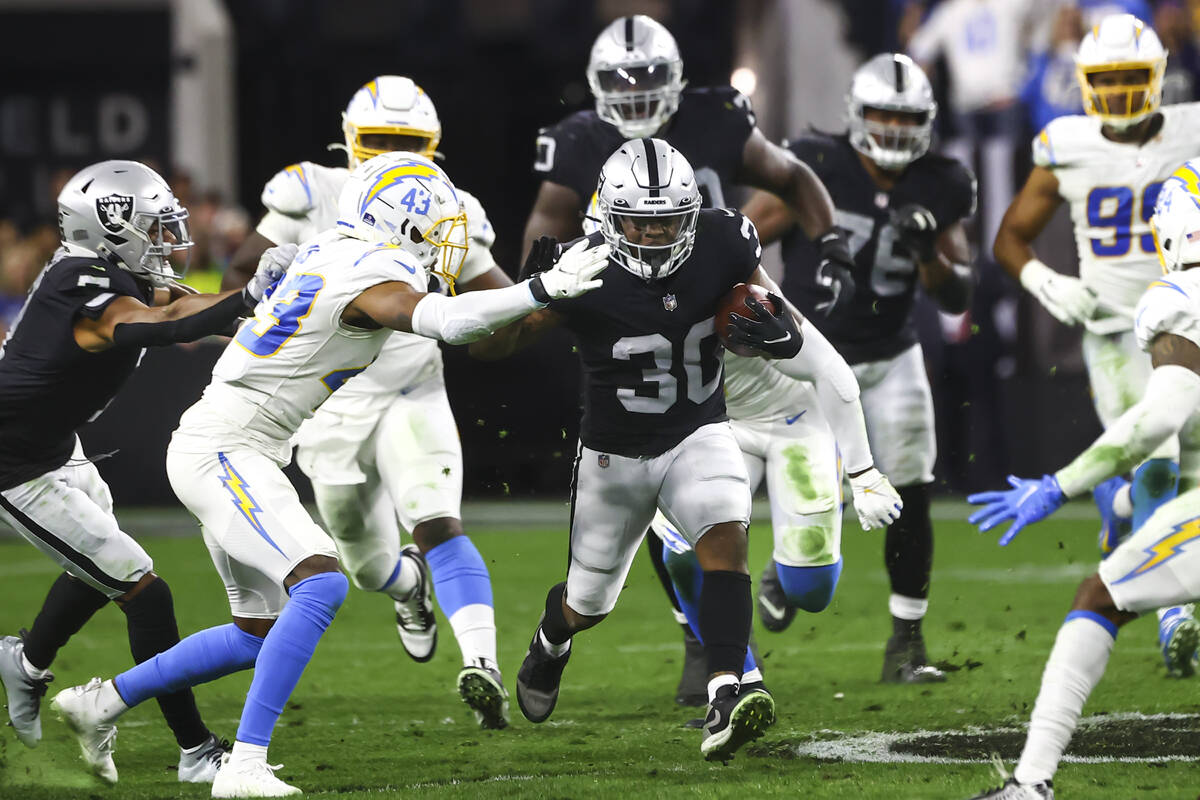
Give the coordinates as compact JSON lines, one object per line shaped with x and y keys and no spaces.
{"x":467,"y":317}
{"x":1172,"y":395}
{"x":837,"y":392}
{"x":217,"y":318}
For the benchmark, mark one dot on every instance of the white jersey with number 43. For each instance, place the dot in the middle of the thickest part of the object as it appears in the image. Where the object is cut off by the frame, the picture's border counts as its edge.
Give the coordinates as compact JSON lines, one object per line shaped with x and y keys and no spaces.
{"x":1111,"y":188}
{"x":287,"y":359}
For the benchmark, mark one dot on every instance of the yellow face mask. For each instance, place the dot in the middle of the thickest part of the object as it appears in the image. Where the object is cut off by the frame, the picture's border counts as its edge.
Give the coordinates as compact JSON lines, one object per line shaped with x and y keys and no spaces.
{"x":398,"y":138}
{"x":449,"y":235}
{"x":1122,"y":91}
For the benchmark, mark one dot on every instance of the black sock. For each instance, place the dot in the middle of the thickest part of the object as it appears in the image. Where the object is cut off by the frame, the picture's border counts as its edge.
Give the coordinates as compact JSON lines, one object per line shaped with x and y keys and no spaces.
{"x":654,"y":548}
{"x":150,"y":619}
{"x":908,"y":546}
{"x":725,"y":618}
{"x":68,"y":606}
{"x":554,"y":624}
{"x":906,"y":628}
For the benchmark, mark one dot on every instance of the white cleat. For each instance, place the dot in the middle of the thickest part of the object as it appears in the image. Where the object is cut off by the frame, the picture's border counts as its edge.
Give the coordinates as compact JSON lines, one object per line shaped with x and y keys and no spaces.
{"x":23,"y":691}
{"x":415,"y":621}
{"x":250,"y":779}
{"x":201,"y":764}
{"x":78,"y":707}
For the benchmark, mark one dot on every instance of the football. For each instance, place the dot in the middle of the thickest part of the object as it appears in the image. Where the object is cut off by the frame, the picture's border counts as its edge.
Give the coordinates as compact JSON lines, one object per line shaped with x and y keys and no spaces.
{"x":734,"y":302}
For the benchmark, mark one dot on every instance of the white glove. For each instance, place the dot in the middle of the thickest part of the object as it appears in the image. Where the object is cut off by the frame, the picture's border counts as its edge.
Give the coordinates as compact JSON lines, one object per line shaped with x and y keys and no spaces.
{"x":271,"y":266}
{"x":1063,"y":296}
{"x":878,"y":504}
{"x":576,"y":271}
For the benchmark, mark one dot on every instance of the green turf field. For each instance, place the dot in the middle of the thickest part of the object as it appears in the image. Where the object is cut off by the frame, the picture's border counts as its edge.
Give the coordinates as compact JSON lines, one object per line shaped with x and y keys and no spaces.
{"x":367,"y":722}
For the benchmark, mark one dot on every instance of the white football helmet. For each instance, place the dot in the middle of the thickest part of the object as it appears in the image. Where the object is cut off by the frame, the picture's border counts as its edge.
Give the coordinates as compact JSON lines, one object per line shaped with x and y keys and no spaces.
{"x":125,"y":212}
{"x":891,"y":82}
{"x":1176,"y":220}
{"x":636,"y":75}
{"x":406,"y":201}
{"x":396,"y":114}
{"x":647,"y":188}
{"x":1121,"y":42}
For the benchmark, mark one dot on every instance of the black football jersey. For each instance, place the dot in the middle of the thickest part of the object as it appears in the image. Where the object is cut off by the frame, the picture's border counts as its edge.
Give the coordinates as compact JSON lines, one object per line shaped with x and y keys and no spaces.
{"x":652,"y":360}
{"x":710,"y":128}
{"x":49,"y":385}
{"x":878,"y":324}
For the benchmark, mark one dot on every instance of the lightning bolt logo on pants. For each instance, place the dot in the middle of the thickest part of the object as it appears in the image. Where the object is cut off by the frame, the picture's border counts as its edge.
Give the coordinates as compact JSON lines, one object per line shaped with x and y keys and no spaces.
{"x":239,"y":490}
{"x":1166,"y":548}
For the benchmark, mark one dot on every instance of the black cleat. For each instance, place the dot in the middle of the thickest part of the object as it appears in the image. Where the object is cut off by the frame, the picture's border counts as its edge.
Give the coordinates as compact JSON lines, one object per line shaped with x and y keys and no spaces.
{"x":735,"y":718}
{"x":538,"y":680}
{"x":904,"y":661}
{"x":693,"y":683}
{"x":771,"y":602}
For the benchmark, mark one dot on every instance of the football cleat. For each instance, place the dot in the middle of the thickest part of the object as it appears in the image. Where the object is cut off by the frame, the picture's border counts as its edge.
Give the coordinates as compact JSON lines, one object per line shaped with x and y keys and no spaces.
{"x":904,"y":661}
{"x":200,"y":764}
{"x":24,"y":692}
{"x":693,"y":683}
{"x":538,"y":680}
{"x":1179,"y":636}
{"x":735,"y":718}
{"x":250,"y":778}
{"x":97,"y":739}
{"x":482,"y":688}
{"x":772,"y":604}
{"x":1113,"y":528}
{"x":415,"y":621}
{"x":1011,"y":790}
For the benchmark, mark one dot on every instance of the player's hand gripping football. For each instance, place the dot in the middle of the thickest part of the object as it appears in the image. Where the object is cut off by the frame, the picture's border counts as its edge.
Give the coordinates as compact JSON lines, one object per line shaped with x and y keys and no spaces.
{"x":271,"y":267}
{"x":576,"y":271}
{"x":774,"y":335}
{"x":917,"y":231}
{"x":875,"y":499}
{"x":1027,"y":502}
{"x":835,"y":272}
{"x":1064,"y":296}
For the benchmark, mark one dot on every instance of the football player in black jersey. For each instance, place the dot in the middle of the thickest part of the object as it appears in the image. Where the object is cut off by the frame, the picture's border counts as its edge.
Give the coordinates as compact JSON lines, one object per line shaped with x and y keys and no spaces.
{"x":108,"y":293}
{"x":636,"y":75}
{"x":654,"y":431}
{"x":903,"y":209}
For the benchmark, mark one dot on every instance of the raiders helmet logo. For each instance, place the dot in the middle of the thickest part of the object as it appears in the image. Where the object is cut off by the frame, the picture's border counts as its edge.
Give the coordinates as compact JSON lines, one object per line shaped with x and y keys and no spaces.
{"x":114,"y":209}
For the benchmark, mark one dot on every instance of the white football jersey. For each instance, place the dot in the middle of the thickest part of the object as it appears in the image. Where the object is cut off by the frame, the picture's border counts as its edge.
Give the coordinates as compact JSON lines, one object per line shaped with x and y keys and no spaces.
{"x":1111,"y":188}
{"x":1170,"y":305}
{"x":757,"y":392}
{"x":301,"y":202}
{"x":287,"y":359}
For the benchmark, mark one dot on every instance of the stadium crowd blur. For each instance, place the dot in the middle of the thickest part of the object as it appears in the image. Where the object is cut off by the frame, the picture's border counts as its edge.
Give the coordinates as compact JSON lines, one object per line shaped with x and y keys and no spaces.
{"x":1002,"y":69}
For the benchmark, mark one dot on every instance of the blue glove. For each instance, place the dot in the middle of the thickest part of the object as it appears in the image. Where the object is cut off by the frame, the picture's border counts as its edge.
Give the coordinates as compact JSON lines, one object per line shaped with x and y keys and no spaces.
{"x":1027,"y":502}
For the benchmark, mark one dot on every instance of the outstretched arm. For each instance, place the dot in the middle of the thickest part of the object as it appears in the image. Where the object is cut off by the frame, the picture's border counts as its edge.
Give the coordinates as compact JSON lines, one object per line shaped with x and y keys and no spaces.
{"x":770,"y":167}
{"x":127,"y":322}
{"x":555,"y":213}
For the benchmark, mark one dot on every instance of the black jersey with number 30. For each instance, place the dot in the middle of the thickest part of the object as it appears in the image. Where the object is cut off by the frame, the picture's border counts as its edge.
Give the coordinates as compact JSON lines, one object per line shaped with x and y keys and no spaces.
{"x":878,"y":324}
{"x":652,"y":361}
{"x":49,"y":385}
{"x":710,"y":128}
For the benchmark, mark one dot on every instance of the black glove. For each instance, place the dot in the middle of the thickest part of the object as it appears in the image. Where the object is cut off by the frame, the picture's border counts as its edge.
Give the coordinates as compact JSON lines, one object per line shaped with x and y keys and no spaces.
{"x":542,"y":256}
{"x":917,"y":231}
{"x":775,"y":334}
{"x":835,"y":272}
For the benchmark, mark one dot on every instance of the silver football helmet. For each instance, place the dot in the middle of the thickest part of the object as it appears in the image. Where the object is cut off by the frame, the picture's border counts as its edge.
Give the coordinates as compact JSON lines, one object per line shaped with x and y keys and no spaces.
{"x":648,"y":204}
{"x":636,"y":75}
{"x":891,"y":82}
{"x":125,"y":212}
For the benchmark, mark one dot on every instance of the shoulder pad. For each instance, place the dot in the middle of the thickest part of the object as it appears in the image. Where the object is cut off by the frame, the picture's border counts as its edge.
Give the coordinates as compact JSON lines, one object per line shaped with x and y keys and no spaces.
{"x":1185,"y":113}
{"x":1168,"y":306}
{"x":956,"y":181}
{"x":291,"y":190}
{"x":1059,"y":143}
{"x":725,"y":98}
{"x":479,"y":228}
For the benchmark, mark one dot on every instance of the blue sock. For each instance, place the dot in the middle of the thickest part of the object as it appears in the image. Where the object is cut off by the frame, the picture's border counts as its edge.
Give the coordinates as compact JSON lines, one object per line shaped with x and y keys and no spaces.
{"x":809,"y":588}
{"x":200,"y":658}
{"x":1154,"y":483}
{"x":460,"y":578}
{"x":687,"y":568}
{"x":286,"y":651}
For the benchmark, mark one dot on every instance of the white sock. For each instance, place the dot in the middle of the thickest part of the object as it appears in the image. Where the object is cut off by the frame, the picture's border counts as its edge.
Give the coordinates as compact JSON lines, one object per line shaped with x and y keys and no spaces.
{"x":405,"y":581}
{"x":753,"y":676}
{"x":1122,"y":502}
{"x":909,"y":608}
{"x":552,"y":648}
{"x":31,"y":670}
{"x":1075,"y":666}
{"x":244,"y":752}
{"x":475,"y":629}
{"x":724,"y":679}
{"x":109,"y":704}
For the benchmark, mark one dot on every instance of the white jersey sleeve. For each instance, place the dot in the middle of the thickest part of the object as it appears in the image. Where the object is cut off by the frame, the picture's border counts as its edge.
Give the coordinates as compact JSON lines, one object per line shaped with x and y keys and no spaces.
{"x":481,"y":235}
{"x":1170,"y":305}
{"x":301,"y":202}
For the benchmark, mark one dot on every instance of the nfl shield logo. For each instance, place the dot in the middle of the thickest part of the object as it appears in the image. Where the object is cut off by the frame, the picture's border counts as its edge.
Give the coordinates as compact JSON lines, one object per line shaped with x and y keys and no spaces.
{"x":669,"y":302}
{"x":114,"y":209}
{"x":602,"y":460}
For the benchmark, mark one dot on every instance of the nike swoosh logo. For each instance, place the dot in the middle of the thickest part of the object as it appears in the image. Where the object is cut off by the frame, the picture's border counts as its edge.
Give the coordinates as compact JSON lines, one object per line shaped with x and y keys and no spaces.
{"x":411,"y":270}
{"x":775,"y":611}
{"x":790,"y":420}
{"x":780,"y":340}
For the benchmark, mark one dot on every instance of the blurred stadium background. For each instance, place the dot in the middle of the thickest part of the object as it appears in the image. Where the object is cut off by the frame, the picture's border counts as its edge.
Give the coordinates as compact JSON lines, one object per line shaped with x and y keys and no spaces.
{"x":220,"y":95}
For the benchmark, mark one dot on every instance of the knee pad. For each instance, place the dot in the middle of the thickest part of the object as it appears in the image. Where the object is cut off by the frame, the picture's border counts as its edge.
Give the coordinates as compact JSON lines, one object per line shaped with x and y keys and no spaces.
{"x":322,"y":593}
{"x":810,"y":588}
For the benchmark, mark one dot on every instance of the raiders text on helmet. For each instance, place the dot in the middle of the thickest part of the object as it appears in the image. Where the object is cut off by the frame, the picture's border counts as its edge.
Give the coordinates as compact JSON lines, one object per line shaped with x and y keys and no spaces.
{"x":1120,"y":66}
{"x":125,"y":212}
{"x":891,"y":82}
{"x":636,"y":75}
{"x":393,"y":114}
